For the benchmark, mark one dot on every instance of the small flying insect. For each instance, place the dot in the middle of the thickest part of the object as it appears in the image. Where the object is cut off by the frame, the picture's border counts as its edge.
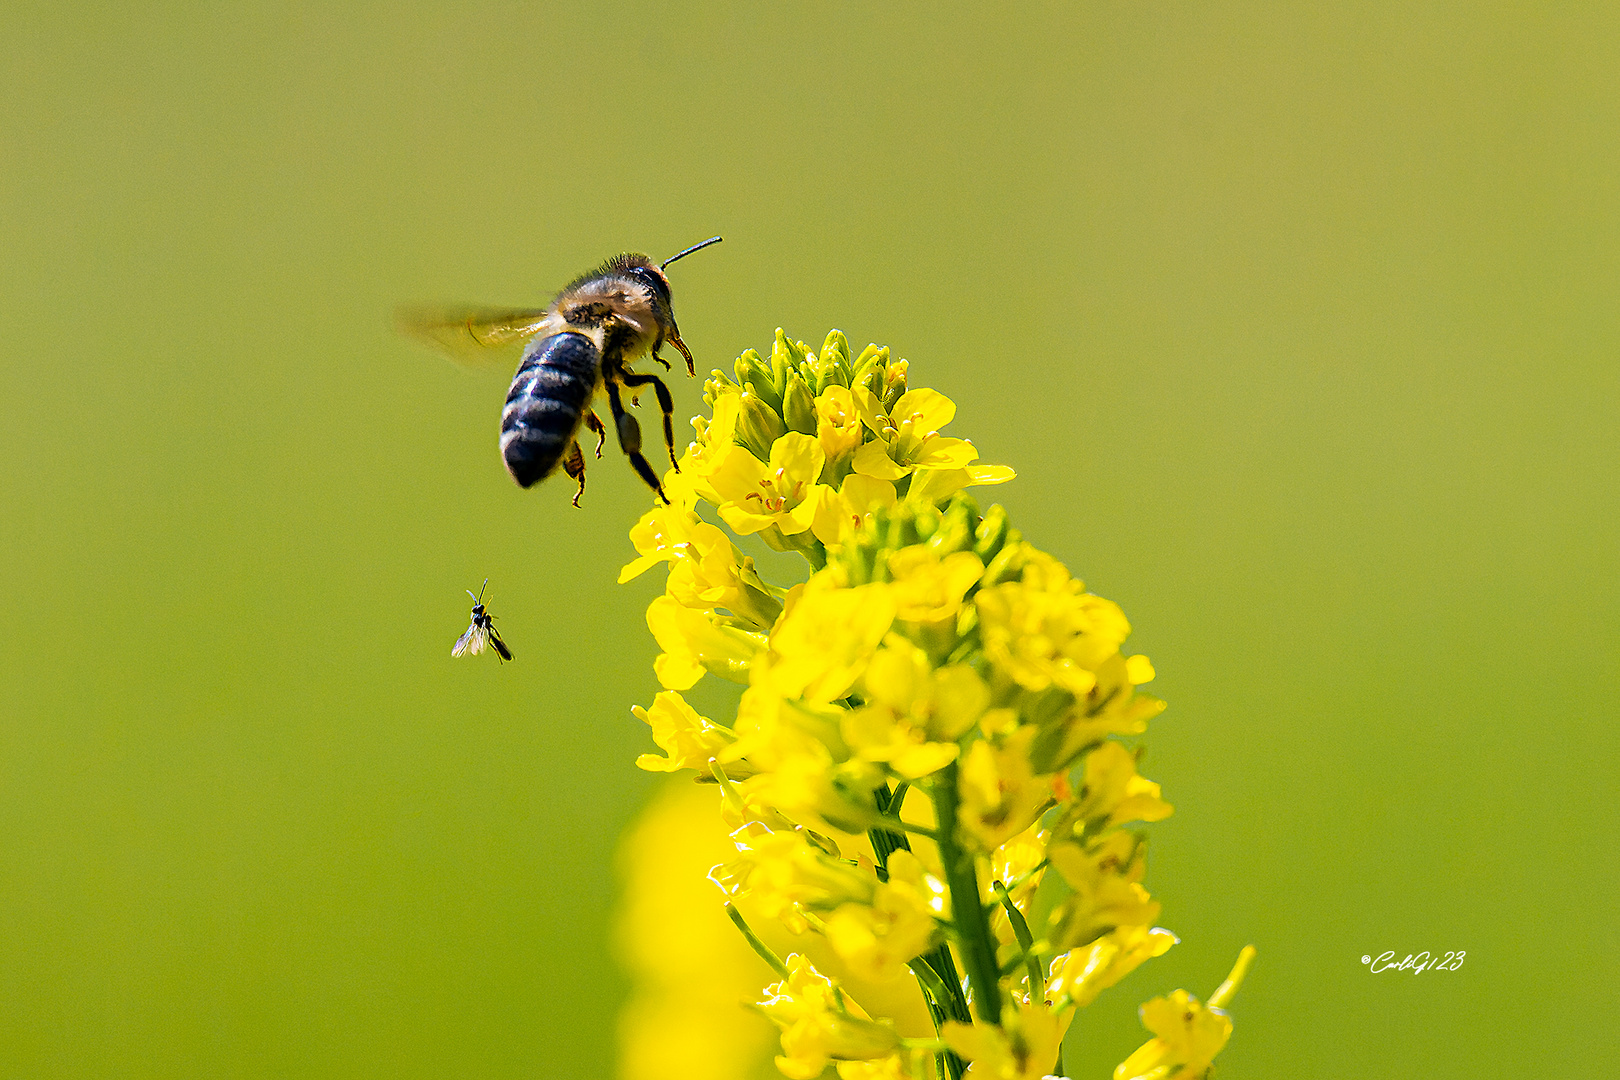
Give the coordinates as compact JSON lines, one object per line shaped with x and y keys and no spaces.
{"x":584,"y":341}
{"x":481,"y":632}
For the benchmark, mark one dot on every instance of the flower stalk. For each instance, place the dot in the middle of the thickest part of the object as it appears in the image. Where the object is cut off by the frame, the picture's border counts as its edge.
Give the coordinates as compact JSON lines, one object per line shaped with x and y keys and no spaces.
{"x":937,"y":721}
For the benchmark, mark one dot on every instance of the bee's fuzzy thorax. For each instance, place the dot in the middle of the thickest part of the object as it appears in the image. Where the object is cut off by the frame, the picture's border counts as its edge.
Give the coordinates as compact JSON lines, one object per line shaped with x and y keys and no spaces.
{"x":616,"y":266}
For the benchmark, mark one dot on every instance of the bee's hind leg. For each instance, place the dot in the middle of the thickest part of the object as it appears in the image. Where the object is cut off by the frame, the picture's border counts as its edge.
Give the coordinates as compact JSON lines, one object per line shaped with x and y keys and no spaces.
{"x":666,"y":403}
{"x":594,"y":422}
{"x":630,"y":438}
{"x":574,"y":466}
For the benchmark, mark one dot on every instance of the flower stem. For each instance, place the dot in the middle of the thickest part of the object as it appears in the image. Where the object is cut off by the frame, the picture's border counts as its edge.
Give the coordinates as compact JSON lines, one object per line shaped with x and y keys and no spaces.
{"x":759,"y":946}
{"x":935,"y":970}
{"x":972,"y":925}
{"x":1026,"y":941}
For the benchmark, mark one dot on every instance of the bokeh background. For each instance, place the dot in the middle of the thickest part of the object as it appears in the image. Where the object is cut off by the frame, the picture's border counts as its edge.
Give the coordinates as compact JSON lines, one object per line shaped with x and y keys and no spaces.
{"x":1299,"y":322}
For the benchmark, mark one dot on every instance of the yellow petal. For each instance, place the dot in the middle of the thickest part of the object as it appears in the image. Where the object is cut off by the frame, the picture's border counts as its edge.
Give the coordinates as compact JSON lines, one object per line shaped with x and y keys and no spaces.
{"x":928,"y":410}
{"x":798,"y":456}
{"x":872,"y":459}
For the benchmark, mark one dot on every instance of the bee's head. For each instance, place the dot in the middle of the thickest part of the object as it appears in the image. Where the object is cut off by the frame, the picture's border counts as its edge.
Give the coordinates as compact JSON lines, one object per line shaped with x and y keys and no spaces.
{"x":645,"y":271}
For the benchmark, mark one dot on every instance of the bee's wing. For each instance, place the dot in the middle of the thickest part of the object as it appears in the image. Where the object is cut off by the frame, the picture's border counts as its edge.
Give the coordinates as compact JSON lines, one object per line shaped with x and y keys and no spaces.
{"x":475,"y":336}
{"x":470,"y":642}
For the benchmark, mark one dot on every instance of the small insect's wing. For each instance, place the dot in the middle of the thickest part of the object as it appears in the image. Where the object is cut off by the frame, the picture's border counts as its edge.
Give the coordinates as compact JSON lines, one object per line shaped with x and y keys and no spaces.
{"x":498,"y":645}
{"x":475,"y":336}
{"x":471,"y":642}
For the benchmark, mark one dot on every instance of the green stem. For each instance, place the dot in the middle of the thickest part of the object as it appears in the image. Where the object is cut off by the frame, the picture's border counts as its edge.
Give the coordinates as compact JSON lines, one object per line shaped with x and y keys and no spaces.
{"x":972,"y":924}
{"x":935,"y":970}
{"x":759,"y":946}
{"x":1026,"y":942}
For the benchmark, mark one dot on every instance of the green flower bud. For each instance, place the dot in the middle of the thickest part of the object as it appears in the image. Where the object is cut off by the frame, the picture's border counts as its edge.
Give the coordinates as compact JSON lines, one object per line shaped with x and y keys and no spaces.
{"x":758,"y":425}
{"x":799,"y":407}
{"x":872,"y":358}
{"x":991,"y":533}
{"x":786,"y":356}
{"x":955,"y":532}
{"x":753,"y":373}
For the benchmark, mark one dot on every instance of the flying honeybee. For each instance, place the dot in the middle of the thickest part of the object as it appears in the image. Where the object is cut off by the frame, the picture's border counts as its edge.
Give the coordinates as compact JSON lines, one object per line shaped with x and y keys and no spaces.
{"x":481,"y":632}
{"x":586,"y":339}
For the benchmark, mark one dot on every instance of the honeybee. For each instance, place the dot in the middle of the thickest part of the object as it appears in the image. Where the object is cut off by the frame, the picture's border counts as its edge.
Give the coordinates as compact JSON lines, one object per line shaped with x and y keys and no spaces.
{"x":585,"y":340}
{"x":481,"y":632}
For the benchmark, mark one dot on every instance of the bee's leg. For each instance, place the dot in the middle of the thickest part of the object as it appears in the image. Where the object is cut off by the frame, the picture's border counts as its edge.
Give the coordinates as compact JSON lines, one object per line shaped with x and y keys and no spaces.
{"x":661,"y":360}
{"x":630,"y":439}
{"x":594,"y":422}
{"x":666,"y":403}
{"x":574,"y":466}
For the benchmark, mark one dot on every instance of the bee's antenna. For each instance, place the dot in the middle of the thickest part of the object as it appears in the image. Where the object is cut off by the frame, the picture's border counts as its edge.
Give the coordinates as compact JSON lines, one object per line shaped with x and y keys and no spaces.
{"x":688,"y":251}
{"x":481,"y":589}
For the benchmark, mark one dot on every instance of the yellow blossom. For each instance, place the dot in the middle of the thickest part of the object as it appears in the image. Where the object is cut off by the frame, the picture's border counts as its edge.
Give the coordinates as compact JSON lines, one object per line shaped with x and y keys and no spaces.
{"x":782,"y":872}
{"x":782,"y":492}
{"x":893,"y":1067}
{"x":659,"y":536}
{"x":1049,"y":631}
{"x":715,"y":438}
{"x":824,"y":641}
{"x":817,"y":1026}
{"x":1081,"y":974}
{"x":1014,"y":864}
{"x":930,"y":486}
{"x":687,"y":739}
{"x":840,"y":513}
{"x":934,"y":665}
{"x":1105,"y":876}
{"x":1188,"y":1035}
{"x":915,"y":713}
{"x":694,"y":642}
{"x":878,"y":937}
{"x":810,"y":787}
{"x":1001,"y":794}
{"x":1112,"y":793}
{"x":838,"y":424}
{"x":1024,"y":1047}
{"x":1111,"y":707}
{"x":928,"y":588}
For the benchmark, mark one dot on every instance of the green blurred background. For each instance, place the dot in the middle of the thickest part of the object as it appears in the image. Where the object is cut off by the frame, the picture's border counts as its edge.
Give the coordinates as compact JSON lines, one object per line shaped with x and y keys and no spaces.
{"x":1299,"y":323}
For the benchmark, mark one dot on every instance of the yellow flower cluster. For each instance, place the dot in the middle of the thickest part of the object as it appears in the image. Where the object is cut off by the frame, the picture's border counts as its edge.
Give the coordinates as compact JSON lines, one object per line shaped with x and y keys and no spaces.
{"x":929,"y":723}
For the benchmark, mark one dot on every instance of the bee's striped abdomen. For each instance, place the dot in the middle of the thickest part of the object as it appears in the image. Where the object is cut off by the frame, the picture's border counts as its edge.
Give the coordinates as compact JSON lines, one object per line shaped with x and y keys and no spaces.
{"x":550,"y":395}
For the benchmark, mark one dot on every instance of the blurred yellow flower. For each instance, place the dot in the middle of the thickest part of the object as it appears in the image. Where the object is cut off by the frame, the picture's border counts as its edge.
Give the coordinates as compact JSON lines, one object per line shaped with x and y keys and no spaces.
{"x":783,"y":874}
{"x":1105,"y":876}
{"x":928,"y":588}
{"x":1112,"y":792}
{"x":690,"y":970}
{"x":817,"y":1027}
{"x":1001,"y":794}
{"x":878,"y":937}
{"x":1024,"y":1047}
{"x":1188,"y":1036}
{"x":1081,"y":974}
